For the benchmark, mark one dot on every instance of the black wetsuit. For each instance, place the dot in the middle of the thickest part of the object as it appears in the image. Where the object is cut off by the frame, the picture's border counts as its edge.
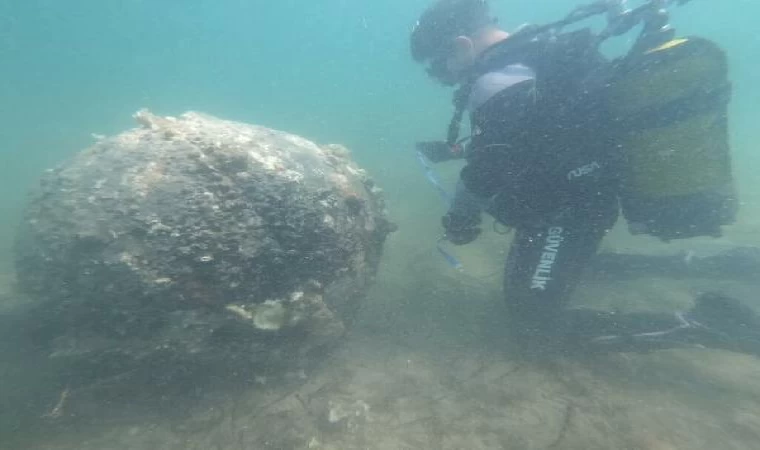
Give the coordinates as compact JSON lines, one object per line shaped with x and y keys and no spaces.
{"x":543,"y":160}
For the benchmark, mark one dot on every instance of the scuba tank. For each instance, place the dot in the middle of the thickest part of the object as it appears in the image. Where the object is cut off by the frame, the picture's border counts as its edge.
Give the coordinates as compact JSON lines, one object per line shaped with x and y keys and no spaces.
{"x":669,"y":105}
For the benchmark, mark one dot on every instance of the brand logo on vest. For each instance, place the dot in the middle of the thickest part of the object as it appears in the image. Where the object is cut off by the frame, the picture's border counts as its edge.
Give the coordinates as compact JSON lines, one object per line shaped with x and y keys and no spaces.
{"x":583,"y":170}
{"x":543,"y":272}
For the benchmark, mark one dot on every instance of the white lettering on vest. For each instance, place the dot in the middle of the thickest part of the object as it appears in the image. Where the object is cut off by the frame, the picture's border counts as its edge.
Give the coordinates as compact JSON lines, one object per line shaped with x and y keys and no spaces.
{"x":583,"y":170}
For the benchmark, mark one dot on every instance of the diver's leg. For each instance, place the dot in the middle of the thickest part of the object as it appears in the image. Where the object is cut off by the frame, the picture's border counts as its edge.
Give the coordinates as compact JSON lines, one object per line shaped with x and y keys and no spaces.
{"x":543,"y":268}
{"x":594,"y":331}
{"x":715,"y":321}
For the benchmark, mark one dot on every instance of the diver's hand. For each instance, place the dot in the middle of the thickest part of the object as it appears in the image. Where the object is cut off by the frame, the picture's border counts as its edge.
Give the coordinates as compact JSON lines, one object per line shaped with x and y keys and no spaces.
{"x":438,"y":151}
{"x":461,"y":229}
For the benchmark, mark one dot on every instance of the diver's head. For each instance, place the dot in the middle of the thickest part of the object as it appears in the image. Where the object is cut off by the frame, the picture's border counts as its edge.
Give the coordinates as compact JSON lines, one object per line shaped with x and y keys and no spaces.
{"x":450,"y":35}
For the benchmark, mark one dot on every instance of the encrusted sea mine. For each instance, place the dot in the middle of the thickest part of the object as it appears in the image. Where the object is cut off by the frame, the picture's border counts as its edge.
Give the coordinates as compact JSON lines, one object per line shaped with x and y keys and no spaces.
{"x":194,"y":238}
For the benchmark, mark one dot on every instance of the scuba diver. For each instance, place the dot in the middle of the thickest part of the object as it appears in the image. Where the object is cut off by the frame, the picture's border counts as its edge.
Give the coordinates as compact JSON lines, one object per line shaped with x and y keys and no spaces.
{"x":561,"y":138}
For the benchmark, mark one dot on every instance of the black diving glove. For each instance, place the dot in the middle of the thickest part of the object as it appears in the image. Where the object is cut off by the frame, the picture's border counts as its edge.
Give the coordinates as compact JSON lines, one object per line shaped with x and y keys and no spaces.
{"x":439,"y":151}
{"x":461,"y":229}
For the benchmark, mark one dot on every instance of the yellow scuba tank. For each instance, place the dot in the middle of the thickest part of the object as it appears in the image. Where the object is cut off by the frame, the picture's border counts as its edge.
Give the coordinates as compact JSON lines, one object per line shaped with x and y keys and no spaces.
{"x":669,"y":105}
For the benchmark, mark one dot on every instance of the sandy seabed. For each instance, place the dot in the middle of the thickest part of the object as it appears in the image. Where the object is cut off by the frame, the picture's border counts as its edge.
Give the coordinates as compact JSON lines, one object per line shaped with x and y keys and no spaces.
{"x":428,"y":367}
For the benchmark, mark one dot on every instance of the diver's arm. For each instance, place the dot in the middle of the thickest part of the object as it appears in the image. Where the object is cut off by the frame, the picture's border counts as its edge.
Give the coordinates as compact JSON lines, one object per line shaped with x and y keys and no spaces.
{"x":463,"y":217}
{"x":440,"y":151}
{"x":499,"y":154}
{"x":499,"y":105}
{"x":465,"y":203}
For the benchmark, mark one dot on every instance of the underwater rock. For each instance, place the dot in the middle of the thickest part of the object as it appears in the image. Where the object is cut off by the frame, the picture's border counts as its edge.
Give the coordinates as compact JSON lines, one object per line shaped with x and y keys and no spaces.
{"x":195,"y":238}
